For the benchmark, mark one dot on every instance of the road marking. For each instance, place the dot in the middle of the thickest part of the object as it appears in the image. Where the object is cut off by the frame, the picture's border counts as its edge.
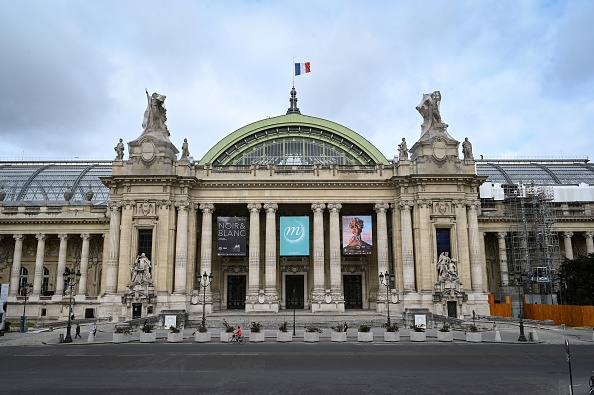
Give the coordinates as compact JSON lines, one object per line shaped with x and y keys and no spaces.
{"x":135,"y":355}
{"x":31,"y":355}
{"x":83,"y":355}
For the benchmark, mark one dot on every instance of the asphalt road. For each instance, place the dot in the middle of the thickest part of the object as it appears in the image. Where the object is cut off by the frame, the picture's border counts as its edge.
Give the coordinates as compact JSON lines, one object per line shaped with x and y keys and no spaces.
{"x":294,"y":368}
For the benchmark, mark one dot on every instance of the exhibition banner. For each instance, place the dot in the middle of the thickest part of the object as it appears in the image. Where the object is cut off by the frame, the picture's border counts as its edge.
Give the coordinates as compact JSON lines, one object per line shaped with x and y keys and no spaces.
{"x":231,"y":236}
{"x":357,"y":235}
{"x":3,"y":303}
{"x":294,"y":236}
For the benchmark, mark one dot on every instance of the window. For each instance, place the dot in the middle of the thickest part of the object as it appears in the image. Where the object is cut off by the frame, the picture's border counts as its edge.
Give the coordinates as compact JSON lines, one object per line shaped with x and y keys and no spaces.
{"x":443,"y":241}
{"x":145,"y":242}
{"x":45,"y":281}
{"x":23,"y":281}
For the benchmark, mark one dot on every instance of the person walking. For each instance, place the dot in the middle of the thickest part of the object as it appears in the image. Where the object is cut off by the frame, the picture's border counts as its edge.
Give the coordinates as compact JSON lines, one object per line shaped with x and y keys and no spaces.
{"x":77,"y":331}
{"x":94,"y":329}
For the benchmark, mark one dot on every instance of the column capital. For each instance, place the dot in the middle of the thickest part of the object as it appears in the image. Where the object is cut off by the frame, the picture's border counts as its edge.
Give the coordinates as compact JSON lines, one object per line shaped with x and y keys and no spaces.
{"x":405,"y":204}
{"x":182,"y":205}
{"x":334,"y":207}
{"x":114,"y":206}
{"x":63,"y":236}
{"x":207,"y":208}
{"x":164,"y":204}
{"x":18,"y":237}
{"x":473,"y":204}
{"x":381,"y":207}
{"x":589,"y":235}
{"x":567,"y":235}
{"x":85,"y":236}
{"x":424,"y":203}
{"x":254,"y":207}
{"x":318,"y":207}
{"x":40,"y":236}
{"x":501,"y":235}
{"x":270,"y":207}
{"x":460,"y":203}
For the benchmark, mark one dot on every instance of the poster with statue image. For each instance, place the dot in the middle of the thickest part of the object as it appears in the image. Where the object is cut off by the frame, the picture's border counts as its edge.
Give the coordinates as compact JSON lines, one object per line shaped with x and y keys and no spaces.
{"x":357,"y":235}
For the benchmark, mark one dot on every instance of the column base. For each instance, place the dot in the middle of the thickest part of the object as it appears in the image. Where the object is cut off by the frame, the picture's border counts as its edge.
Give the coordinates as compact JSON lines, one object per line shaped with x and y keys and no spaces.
{"x":328,"y":301}
{"x":261,"y":302}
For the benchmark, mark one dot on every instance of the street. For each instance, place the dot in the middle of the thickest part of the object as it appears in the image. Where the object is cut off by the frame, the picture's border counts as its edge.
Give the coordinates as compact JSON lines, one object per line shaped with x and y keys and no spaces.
{"x":295,"y":368}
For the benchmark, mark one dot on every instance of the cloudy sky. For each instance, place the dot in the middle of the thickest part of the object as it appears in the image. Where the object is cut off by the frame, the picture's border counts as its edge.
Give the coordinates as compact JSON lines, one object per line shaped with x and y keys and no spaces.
{"x":516,"y":77}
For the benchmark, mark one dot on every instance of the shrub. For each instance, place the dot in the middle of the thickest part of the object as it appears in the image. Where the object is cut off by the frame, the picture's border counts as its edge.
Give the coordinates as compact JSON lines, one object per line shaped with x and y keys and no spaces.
{"x":419,"y":328}
{"x":472,"y":328}
{"x":125,"y":329}
{"x":7,"y":326}
{"x":283,"y":327}
{"x":255,"y":327}
{"x":392,"y":327}
{"x":364,"y":328}
{"x":202,"y":328}
{"x":228,"y":328}
{"x":445,"y":327}
{"x":313,"y":329}
{"x":338,"y":328}
{"x":147,"y":328}
{"x":174,"y":329}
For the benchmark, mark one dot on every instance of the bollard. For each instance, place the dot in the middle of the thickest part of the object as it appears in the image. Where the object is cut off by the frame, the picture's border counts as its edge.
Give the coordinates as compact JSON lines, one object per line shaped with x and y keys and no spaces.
{"x":497,"y":336}
{"x":534,"y":335}
{"x":592,"y":334}
{"x":91,"y":338}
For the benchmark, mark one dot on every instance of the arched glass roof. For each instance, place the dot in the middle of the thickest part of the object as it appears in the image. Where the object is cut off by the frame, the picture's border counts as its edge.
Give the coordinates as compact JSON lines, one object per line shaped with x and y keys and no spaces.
{"x":537,"y":172}
{"x":294,"y":139}
{"x":47,"y":181}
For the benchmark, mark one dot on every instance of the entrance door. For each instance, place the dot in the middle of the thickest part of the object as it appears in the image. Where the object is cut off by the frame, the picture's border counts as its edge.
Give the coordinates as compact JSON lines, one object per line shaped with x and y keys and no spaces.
{"x":136,"y":310}
{"x":353,"y":291}
{"x":452,"y":309}
{"x":294,"y":296}
{"x":236,"y":292}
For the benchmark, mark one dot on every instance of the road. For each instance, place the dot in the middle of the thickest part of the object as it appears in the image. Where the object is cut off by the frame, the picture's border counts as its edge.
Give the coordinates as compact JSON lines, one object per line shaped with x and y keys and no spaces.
{"x":294,"y":368}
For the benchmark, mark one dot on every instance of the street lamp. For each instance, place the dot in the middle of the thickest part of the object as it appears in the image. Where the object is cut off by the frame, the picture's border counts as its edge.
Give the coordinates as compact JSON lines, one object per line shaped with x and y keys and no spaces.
{"x":72,"y":277}
{"x":389,"y":283}
{"x":520,"y":281}
{"x":294,"y":302}
{"x":205,"y":281}
{"x":25,"y":290}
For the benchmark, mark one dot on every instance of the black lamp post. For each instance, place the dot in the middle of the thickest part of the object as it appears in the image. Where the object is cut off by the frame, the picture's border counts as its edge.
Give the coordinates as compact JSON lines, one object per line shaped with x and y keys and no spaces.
{"x":520,"y":282}
{"x":26,"y":290}
{"x":205,"y":281}
{"x":387,"y":280}
{"x":293,"y":302}
{"x":72,"y":277}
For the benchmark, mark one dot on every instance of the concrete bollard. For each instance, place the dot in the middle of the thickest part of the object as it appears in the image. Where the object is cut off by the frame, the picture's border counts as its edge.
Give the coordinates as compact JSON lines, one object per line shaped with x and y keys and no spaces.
{"x":497,"y":336}
{"x":534,"y":335}
{"x":592,"y":334}
{"x":90,"y":338}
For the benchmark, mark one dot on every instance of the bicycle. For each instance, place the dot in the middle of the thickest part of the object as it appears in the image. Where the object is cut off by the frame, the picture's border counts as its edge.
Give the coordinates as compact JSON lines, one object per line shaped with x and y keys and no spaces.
{"x":591,"y":384}
{"x":237,"y":339}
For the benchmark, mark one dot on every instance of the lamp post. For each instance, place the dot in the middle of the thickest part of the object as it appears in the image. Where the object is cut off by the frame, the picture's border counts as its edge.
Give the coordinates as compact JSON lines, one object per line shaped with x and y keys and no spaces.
{"x":293,"y":302}
{"x":26,"y":290}
{"x":205,"y":281}
{"x":72,"y":277}
{"x":387,"y":280}
{"x":520,"y":282}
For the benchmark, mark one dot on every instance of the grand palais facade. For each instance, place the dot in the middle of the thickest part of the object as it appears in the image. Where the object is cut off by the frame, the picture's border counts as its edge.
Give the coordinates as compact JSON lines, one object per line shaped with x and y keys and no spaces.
{"x":288,"y":212}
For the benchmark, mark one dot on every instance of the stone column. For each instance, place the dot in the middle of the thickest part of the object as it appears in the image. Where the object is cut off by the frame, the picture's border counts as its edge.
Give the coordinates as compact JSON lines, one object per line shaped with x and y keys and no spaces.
{"x":408,"y":262}
{"x":254,"y":250}
{"x":567,"y":244}
{"x":206,"y":240}
{"x":270,"y":264}
{"x":181,"y":246}
{"x":318,"y":248}
{"x":84,"y":264}
{"x":335,"y":256}
{"x":61,"y":263}
{"x":111,"y":275}
{"x":463,"y":248}
{"x":426,"y":272}
{"x":476,"y":270}
{"x":16,"y":265}
{"x":39,"y":264}
{"x":589,"y":243}
{"x":503,"y":258}
{"x":126,"y":255}
{"x":382,"y":252}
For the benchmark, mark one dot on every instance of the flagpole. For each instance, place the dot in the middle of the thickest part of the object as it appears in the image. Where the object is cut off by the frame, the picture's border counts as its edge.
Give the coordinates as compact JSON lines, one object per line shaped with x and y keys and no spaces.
{"x":293,"y":72}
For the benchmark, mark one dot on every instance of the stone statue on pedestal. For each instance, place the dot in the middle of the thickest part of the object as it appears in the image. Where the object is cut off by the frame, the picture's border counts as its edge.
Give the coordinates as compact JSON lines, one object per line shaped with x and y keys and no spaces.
{"x":140,"y":271}
{"x":402,"y":150}
{"x":446,"y":268}
{"x":155,"y":114}
{"x":467,"y":149}
{"x":185,"y":152}
{"x":119,"y":149}
{"x":429,"y":110}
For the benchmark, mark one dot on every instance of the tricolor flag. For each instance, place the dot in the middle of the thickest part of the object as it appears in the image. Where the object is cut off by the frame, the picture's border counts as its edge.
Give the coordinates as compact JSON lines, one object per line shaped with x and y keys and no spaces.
{"x":302,"y":68}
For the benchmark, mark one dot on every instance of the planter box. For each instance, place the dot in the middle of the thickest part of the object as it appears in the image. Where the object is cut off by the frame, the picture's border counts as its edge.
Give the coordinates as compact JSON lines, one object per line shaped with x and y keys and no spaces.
{"x":284,"y":336}
{"x":365,"y":336}
{"x":311,"y":337}
{"x":257,"y":337}
{"x":225,"y":336}
{"x":445,"y":336}
{"x":175,"y":337}
{"x":338,"y":337}
{"x":150,"y":337}
{"x":392,"y":336}
{"x":418,"y":336}
{"x":474,"y":337}
{"x":121,"y":338}
{"x":202,"y":337}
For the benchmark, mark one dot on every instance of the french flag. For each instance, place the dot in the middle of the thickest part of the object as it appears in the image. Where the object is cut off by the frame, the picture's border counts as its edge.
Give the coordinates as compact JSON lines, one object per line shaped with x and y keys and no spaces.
{"x":302,"y":68}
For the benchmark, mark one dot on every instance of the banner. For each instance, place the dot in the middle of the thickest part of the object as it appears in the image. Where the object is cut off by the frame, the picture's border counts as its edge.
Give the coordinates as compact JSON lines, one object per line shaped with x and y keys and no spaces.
{"x":3,"y":305}
{"x":231,"y":236}
{"x":357,"y":238}
{"x":294,"y":236}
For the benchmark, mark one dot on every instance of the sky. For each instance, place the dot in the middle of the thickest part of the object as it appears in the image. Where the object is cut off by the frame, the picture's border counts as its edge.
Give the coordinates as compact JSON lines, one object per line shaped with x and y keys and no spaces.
{"x":516,"y":77}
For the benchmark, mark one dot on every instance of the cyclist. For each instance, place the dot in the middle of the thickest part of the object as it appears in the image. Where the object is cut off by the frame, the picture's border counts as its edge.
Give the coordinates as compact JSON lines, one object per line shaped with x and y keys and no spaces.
{"x":238,"y":333}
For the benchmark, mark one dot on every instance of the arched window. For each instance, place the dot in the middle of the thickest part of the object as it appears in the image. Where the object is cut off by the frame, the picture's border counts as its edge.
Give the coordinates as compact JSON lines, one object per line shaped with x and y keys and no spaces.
{"x":23,"y":281}
{"x":45,"y":282}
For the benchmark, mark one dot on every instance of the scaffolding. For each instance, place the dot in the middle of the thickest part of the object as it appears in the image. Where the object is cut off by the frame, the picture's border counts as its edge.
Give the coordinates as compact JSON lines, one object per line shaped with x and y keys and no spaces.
{"x":533,"y":243}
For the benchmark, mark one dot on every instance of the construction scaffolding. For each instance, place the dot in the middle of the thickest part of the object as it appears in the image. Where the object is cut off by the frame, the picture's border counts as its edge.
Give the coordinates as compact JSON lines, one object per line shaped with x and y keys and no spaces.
{"x":532,"y":242}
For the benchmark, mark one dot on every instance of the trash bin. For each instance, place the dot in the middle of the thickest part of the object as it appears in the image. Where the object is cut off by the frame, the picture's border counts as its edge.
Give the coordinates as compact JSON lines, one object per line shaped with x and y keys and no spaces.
{"x":61,"y":338}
